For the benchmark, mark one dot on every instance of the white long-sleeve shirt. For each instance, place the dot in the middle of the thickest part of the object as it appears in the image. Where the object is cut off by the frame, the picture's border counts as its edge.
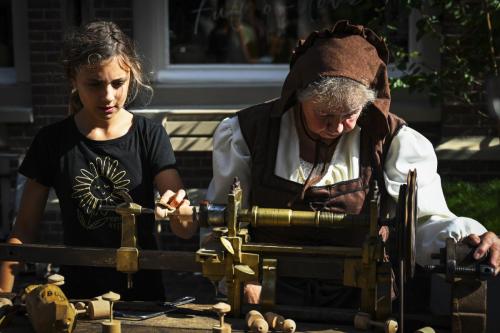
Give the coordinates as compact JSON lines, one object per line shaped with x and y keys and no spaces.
{"x":408,"y":150}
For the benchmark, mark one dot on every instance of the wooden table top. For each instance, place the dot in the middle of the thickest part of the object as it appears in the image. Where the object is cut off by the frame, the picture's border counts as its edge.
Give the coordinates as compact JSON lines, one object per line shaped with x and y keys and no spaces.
{"x":174,"y":323}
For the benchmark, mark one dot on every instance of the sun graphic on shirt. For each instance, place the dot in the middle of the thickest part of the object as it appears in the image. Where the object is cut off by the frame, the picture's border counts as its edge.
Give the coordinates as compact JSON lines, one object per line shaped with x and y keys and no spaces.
{"x":100,"y":184}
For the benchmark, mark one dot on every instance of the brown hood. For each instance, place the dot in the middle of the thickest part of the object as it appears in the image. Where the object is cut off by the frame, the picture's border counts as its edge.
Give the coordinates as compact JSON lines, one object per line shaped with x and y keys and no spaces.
{"x":346,"y":50}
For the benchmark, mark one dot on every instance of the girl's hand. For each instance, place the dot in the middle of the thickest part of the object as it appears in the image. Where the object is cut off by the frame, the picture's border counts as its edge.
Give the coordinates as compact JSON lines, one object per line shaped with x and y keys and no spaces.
{"x":183,"y":222}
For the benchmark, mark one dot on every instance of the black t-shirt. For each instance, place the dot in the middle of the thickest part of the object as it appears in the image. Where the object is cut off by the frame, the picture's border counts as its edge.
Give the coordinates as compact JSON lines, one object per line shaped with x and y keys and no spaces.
{"x":87,"y":174}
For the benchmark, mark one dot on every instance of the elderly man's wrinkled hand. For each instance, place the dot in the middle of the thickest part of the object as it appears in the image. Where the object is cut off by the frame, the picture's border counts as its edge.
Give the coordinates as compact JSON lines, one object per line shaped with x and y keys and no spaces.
{"x":486,"y":243}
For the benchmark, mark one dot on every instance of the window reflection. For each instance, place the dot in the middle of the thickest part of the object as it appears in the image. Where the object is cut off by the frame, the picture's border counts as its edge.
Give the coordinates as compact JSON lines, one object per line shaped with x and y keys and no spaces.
{"x":266,"y":31}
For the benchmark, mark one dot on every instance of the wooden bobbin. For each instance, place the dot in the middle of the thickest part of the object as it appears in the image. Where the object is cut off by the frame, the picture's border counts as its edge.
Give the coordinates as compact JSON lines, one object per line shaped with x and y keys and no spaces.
{"x":255,"y":322}
{"x":289,"y":326}
{"x":56,"y":279}
{"x":114,"y":326}
{"x":221,"y":309}
{"x":98,"y":309}
{"x":274,"y":320}
{"x":363,"y":321}
{"x":110,"y":325}
{"x":5,"y":302}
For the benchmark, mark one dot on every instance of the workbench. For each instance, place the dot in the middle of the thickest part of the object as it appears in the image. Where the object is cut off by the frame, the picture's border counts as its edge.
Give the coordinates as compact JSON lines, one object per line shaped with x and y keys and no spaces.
{"x":175,"y":323}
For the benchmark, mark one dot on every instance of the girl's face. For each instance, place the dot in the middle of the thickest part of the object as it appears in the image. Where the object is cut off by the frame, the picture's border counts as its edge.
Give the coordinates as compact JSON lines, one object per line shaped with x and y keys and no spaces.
{"x":103,"y":88}
{"x":328,"y":124}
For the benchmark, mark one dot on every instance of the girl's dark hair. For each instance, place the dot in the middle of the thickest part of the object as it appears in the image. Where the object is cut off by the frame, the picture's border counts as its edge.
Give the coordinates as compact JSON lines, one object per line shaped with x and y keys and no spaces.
{"x":98,"y":41}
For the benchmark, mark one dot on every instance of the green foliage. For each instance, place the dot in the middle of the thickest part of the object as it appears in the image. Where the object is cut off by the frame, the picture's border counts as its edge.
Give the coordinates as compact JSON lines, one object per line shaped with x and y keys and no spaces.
{"x":468,"y":45}
{"x":480,"y":201}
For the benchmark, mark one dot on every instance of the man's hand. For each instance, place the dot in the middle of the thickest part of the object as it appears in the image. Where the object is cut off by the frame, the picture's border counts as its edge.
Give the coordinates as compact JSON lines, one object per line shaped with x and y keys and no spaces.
{"x":487,"y":242}
{"x":251,"y":292}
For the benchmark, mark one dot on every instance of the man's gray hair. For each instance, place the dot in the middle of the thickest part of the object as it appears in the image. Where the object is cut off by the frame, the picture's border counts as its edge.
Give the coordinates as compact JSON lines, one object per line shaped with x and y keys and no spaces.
{"x":332,"y":93}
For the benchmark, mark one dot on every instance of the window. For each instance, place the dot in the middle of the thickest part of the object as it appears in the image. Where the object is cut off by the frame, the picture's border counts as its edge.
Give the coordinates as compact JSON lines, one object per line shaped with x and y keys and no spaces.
{"x":264,"y":31}
{"x":7,"y":72}
{"x":175,"y":38}
{"x":14,"y":63}
{"x":245,"y":42}
{"x":14,"y":54}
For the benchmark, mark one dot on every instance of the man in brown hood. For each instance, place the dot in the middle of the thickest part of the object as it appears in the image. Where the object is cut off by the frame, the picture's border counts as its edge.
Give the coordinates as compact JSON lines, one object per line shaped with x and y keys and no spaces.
{"x":324,"y":141}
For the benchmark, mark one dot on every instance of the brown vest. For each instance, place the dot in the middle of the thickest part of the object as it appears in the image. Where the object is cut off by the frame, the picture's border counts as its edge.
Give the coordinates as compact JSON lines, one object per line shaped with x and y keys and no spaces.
{"x":261,"y":131}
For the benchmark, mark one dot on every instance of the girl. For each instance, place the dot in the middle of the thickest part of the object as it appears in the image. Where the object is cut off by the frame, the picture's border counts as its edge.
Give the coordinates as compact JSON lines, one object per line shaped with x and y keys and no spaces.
{"x":93,"y":157}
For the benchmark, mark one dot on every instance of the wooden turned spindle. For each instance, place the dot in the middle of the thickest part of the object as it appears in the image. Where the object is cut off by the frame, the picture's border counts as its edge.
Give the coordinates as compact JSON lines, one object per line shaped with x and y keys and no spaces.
{"x":274,"y":320}
{"x":111,"y":326}
{"x":363,"y":321}
{"x":221,"y":309}
{"x":255,"y":322}
{"x":55,"y":279}
{"x":289,"y":326}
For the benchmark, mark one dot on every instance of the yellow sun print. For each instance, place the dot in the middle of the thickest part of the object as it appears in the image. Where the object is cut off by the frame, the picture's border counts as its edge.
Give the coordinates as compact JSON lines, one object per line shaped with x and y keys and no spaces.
{"x":99,"y":185}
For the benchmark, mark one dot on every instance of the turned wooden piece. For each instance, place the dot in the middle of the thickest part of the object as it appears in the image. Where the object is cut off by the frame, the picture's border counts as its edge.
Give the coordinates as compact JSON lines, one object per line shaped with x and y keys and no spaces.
{"x":221,"y":309}
{"x":426,"y":329}
{"x":274,"y":320}
{"x":255,"y":322}
{"x":278,"y":323}
{"x":289,"y":326}
{"x":111,"y":326}
{"x":363,"y":321}
{"x":80,"y":307}
{"x":55,"y":279}
{"x":5,"y":302}
{"x":98,"y":308}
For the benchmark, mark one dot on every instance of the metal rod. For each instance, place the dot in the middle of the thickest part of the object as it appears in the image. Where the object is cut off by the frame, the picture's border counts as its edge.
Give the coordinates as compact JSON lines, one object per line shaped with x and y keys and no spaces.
{"x":401,"y":296}
{"x":98,"y":257}
{"x":337,"y":251}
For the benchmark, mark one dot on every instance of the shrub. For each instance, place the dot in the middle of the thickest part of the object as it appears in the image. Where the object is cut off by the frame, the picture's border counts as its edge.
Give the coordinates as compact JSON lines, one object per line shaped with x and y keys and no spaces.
{"x":480,"y":201}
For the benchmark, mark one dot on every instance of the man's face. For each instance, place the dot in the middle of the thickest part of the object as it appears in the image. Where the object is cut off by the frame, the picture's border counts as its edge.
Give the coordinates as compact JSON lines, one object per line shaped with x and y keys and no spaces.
{"x":329,"y":124}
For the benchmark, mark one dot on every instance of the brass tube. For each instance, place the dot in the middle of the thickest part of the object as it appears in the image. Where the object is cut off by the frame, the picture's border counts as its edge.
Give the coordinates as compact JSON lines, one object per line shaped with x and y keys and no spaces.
{"x":277,"y":217}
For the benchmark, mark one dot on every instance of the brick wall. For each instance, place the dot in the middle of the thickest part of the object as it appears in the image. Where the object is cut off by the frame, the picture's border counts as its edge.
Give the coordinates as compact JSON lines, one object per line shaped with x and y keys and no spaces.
{"x":195,"y":168}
